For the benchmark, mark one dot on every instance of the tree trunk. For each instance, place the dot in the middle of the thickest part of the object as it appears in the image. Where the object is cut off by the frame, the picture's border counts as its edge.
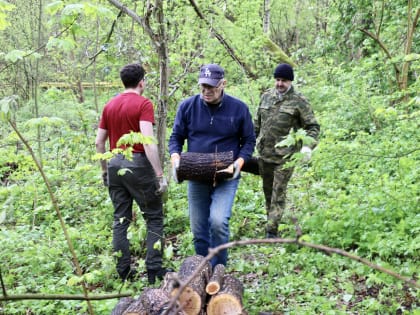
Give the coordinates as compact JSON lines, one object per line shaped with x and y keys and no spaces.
{"x":216,"y":280}
{"x":229,"y":300}
{"x":204,"y":166}
{"x":193,"y":298}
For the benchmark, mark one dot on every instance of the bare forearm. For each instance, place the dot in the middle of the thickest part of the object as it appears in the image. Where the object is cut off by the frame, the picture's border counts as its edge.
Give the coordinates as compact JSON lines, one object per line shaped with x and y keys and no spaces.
{"x":152,"y":154}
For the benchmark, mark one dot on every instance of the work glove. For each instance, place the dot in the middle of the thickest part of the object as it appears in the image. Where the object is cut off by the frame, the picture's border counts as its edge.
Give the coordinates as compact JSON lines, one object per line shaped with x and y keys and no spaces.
{"x":234,"y":168}
{"x":307,"y":154}
{"x":175,"y":159}
{"x":162,"y":185}
{"x":105,"y":178}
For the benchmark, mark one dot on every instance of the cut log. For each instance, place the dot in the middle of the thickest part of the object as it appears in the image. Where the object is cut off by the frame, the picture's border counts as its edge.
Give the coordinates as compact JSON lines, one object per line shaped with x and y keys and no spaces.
{"x":151,"y":302}
{"x":122,"y":305}
{"x":193,"y":298}
{"x":251,"y":166}
{"x":135,"y":308}
{"x":228,"y":301}
{"x":216,"y":280}
{"x":170,"y":282}
{"x":204,"y":166}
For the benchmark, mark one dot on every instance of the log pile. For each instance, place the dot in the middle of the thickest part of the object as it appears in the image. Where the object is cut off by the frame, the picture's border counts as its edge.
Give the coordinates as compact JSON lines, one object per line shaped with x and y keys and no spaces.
{"x":190,"y":291}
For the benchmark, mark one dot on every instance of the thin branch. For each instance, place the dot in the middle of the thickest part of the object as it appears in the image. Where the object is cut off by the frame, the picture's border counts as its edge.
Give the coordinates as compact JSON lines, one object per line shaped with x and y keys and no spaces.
{"x":138,"y":19}
{"x":386,"y":51}
{"x":66,"y":297}
{"x":108,"y":39}
{"x":3,"y":288}
{"x":42,"y":46}
{"x":224,"y":43}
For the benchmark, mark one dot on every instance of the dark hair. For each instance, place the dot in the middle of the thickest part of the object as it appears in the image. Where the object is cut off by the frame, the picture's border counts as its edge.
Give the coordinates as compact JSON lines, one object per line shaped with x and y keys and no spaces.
{"x":131,"y":75}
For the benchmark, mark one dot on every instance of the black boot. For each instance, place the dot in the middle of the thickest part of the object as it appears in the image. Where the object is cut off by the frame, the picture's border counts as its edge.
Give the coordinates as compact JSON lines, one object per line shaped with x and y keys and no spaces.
{"x":152,"y":274}
{"x":128,"y":274}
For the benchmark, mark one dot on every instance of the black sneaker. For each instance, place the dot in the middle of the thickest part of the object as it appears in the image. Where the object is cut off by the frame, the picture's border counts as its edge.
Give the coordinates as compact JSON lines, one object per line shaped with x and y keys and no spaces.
{"x":152,"y":274}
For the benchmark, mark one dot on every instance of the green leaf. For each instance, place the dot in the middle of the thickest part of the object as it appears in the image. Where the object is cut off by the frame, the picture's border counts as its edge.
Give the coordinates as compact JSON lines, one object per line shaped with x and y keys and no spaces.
{"x":65,"y":44}
{"x":122,"y":171}
{"x":15,"y":55}
{"x":54,"y":7}
{"x":45,"y":121}
{"x":412,"y":57}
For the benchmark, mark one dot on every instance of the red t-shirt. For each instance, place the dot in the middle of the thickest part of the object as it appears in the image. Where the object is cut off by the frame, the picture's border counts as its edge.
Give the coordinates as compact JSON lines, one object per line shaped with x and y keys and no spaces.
{"x":122,"y":114}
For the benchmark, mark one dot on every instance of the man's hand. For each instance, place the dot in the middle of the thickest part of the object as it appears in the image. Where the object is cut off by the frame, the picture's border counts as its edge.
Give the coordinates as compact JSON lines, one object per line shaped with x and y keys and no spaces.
{"x":105,"y":178}
{"x":307,"y":154}
{"x":175,"y":159}
{"x":163,"y":185}
{"x":234,"y":168}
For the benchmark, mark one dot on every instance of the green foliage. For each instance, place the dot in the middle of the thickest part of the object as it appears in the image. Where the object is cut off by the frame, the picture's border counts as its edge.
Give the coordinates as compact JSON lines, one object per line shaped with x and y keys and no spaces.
{"x":359,"y":193}
{"x":4,"y":8}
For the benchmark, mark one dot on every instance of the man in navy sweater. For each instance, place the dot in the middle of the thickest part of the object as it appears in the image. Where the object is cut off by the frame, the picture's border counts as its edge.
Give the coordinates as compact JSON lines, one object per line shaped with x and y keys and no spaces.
{"x":210,"y":122}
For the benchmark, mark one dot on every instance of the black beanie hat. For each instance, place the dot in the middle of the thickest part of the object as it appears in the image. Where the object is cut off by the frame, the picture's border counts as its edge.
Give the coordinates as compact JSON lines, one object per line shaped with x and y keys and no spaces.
{"x":284,"y":71}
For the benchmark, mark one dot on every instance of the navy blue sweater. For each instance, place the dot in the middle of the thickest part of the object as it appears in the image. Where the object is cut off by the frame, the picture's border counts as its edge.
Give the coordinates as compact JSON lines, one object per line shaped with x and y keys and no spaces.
{"x":228,"y":127}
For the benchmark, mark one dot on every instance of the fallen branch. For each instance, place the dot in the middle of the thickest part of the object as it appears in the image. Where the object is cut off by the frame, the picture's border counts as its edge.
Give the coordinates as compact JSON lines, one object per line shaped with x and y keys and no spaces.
{"x":80,"y":297}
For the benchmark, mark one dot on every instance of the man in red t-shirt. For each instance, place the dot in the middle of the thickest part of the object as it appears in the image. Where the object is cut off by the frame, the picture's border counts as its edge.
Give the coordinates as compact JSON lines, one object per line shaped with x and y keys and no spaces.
{"x":143,"y":181}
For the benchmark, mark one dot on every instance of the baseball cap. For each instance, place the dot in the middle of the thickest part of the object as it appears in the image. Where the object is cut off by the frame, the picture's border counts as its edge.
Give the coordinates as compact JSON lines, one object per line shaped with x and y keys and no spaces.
{"x":211,"y":74}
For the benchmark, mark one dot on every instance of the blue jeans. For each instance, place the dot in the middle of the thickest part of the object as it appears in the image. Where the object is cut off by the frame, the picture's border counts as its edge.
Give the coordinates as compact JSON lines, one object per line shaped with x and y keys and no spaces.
{"x":210,"y":209}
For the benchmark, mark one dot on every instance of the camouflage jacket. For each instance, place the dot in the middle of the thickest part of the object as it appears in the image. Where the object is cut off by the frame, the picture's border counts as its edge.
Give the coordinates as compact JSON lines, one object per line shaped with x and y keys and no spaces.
{"x":276,"y":116}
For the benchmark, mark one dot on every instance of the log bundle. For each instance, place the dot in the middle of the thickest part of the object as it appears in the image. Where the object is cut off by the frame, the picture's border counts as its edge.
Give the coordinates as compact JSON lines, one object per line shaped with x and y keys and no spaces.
{"x":195,"y":289}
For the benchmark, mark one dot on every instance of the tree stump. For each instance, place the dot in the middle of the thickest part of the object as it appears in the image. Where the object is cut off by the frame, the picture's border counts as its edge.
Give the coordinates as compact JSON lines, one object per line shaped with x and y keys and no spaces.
{"x":216,"y":280}
{"x":228,"y":301}
{"x":193,"y":298}
{"x":122,"y":305}
{"x":204,"y":166}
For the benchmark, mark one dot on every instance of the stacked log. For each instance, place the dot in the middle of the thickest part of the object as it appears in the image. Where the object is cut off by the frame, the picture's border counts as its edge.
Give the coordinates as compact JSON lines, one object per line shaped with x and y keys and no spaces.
{"x":204,"y":292}
{"x":193,"y":297}
{"x":216,"y":280}
{"x":229,"y":299}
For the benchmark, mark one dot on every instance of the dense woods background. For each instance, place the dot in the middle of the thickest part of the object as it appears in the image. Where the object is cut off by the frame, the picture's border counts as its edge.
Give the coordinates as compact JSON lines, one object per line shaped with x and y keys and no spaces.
{"x":358,"y":62}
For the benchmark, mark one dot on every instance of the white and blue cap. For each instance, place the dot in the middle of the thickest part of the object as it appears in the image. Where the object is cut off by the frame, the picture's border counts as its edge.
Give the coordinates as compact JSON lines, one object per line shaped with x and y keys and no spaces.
{"x":211,"y":74}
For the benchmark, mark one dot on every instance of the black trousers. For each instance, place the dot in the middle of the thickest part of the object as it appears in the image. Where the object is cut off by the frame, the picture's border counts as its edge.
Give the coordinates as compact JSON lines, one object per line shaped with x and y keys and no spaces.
{"x":135,"y":180}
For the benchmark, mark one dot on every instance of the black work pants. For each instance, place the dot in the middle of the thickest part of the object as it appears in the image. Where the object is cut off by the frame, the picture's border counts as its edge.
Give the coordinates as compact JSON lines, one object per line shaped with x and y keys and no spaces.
{"x":135,"y":180}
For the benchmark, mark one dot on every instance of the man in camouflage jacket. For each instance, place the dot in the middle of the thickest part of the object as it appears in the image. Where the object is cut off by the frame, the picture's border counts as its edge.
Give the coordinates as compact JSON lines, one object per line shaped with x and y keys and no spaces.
{"x":281,"y":110}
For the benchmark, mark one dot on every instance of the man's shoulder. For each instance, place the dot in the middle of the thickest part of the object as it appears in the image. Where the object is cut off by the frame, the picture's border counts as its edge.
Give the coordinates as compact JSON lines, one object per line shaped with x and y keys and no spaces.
{"x":296,"y":95}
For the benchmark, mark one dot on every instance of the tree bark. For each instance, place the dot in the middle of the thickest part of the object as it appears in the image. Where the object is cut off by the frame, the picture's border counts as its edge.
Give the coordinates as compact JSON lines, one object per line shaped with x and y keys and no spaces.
{"x":216,"y":280}
{"x":170,"y":282}
{"x":150,"y":302}
{"x":193,"y":298}
{"x":229,"y":300}
{"x":204,"y":166}
{"x":122,"y":306}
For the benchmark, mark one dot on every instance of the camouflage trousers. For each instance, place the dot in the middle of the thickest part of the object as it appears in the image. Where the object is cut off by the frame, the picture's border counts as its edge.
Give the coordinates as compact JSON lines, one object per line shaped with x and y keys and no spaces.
{"x":275,"y":180}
